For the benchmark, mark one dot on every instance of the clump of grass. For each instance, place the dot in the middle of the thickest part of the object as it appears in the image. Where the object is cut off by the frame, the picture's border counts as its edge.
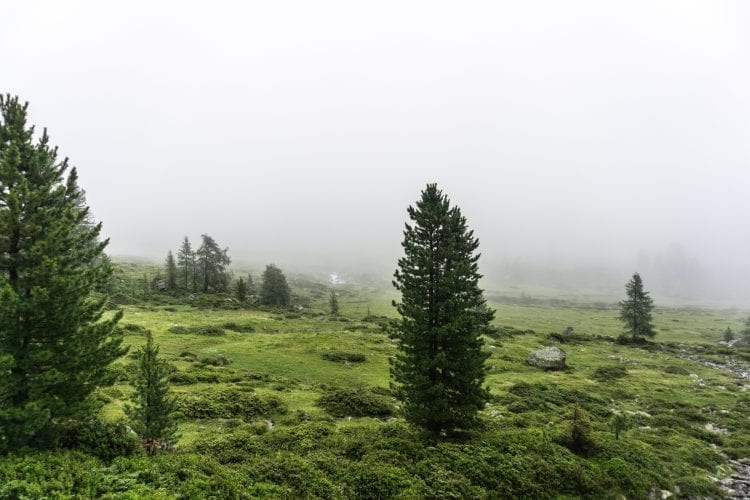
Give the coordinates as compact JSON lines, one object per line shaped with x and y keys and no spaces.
{"x":341,"y":356}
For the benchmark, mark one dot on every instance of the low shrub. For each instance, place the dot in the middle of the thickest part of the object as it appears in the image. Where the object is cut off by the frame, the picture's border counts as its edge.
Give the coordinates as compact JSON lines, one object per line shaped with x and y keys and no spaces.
{"x":579,"y":438}
{"x":677,"y":370}
{"x":236,"y":327}
{"x":228,"y":403}
{"x":182,"y":378}
{"x":524,"y":397}
{"x":208,"y":330}
{"x":104,"y":440}
{"x":215,"y":361}
{"x":133,"y":328}
{"x":609,"y":373}
{"x":341,"y":356}
{"x":372,"y":479}
{"x":355,"y":403}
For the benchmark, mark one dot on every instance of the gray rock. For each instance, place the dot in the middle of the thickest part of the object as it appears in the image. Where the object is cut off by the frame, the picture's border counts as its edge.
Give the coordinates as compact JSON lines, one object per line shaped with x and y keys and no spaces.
{"x":549,"y":358}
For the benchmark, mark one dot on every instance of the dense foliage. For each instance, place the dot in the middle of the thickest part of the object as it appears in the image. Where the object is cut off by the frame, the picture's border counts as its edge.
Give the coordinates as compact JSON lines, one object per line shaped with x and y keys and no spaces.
{"x":54,"y":345}
{"x":274,"y":291}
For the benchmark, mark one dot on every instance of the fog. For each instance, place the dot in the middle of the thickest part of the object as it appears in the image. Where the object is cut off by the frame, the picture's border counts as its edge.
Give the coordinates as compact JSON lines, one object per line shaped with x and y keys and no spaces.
{"x":582,"y":140}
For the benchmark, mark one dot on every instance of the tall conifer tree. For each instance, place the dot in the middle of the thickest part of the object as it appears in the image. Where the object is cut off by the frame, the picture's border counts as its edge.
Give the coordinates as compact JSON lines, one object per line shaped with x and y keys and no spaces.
{"x":241,"y":290}
{"x":186,"y":261}
{"x":212,"y":261}
{"x":440,"y":368}
{"x":333,"y":302}
{"x":171,"y":269}
{"x":54,"y":345}
{"x":635,"y":310}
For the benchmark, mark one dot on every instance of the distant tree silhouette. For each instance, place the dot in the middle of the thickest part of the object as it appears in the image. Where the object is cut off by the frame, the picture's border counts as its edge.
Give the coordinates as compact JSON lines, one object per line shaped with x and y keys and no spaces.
{"x":274,"y":291}
{"x":635,"y":310}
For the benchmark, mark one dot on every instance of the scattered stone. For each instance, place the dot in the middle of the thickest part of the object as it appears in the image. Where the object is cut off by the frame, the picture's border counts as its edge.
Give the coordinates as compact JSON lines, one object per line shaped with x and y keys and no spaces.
{"x":549,"y":358}
{"x":714,"y":429}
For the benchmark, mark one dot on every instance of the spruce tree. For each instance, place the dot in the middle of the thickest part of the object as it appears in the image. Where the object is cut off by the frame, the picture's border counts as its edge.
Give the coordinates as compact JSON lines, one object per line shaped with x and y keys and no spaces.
{"x":55,"y":345}
{"x":152,"y":412}
{"x":212,"y":261}
{"x":440,"y":368}
{"x":186,"y":261}
{"x":274,"y":291}
{"x":241,"y":290}
{"x":635,"y":310}
{"x":171,"y":268}
{"x":333,"y":302}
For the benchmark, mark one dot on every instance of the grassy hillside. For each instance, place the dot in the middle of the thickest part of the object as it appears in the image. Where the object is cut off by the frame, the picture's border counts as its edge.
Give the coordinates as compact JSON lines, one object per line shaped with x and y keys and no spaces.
{"x":296,"y":403}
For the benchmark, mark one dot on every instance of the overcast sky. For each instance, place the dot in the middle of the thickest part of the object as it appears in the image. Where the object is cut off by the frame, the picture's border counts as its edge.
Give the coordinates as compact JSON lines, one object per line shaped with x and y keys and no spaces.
{"x":302,"y":130}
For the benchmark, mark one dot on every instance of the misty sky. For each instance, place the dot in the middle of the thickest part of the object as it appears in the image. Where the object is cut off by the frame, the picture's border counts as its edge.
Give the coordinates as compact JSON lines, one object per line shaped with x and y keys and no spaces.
{"x":290,"y":131}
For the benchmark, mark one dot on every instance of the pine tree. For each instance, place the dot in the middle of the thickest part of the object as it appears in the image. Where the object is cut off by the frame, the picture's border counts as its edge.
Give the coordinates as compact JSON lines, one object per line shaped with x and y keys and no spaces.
{"x":274,"y":291}
{"x":728,"y":335}
{"x":171,"y":269}
{"x":212,"y":261}
{"x":635,"y":310}
{"x":440,"y":367}
{"x":186,"y":261}
{"x":152,"y":412}
{"x":333,"y":302}
{"x":241,"y":290}
{"x":54,"y":345}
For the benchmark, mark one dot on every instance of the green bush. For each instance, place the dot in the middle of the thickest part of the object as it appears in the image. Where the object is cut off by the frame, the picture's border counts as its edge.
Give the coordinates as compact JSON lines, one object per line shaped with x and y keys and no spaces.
{"x":371,"y":479}
{"x":208,"y":330}
{"x":296,"y":475}
{"x":228,"y":403}
{"x":609,"y":373}
{"x":215,"y":361}
{"x":524,"y":397}
{"x":677,"y":370}
{"x":182,"y":378}
{"x":133,"y":328}
{"x":236,"y":327}
{"x":341,"y":356}
{"x":355,"y":403}
{"x":101,"y":439}
{"x":579,"y":438}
